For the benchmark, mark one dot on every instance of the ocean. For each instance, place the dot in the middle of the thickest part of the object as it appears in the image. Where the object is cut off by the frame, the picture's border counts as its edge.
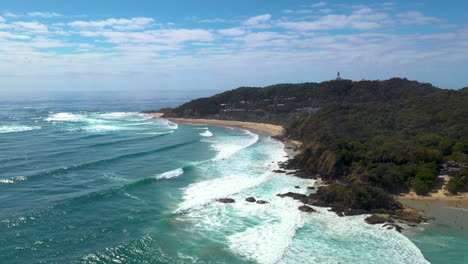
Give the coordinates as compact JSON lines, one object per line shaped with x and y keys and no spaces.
{"x":92,"y":180}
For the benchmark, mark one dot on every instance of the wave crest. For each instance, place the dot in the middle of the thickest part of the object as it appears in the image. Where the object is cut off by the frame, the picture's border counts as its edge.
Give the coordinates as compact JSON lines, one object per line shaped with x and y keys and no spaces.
{"x":17,"y":128}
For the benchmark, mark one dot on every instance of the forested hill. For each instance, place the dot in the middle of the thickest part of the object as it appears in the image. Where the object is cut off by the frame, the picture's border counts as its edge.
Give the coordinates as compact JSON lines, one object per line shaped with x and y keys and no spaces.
{"x":283,"y":103}
{"x":394,"y":135}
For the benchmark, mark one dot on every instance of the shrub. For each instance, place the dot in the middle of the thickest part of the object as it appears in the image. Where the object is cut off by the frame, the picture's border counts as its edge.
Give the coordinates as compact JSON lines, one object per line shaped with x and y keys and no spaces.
{"x":454,"y":186}
{"x":420,"y":187}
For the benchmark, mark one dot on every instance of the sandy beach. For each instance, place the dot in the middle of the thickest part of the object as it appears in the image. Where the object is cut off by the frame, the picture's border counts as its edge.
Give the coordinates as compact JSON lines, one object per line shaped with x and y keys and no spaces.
{"x":267,"y":128}
{"x":438,"y":194}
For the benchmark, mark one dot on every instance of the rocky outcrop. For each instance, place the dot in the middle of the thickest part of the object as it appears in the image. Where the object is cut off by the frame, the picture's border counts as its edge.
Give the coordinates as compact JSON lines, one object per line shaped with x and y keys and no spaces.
{"x":279,"y":171}
{"x":226,"y":200}
{"x":307,"y":209}
{"x":315,"y":159}
{"x":262,"y":202}
{"x":378,"y":219}
{"x":393,"y":226}
{"x":349,"y":200}
{"x":250,"y":199}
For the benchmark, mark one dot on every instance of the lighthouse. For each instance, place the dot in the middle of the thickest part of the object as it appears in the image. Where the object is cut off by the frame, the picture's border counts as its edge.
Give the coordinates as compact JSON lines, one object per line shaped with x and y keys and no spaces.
{"x":338,"y":77}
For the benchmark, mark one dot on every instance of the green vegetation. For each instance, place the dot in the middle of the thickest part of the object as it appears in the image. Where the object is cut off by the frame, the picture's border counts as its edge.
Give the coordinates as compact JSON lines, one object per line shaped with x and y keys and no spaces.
{"x":397,"y":144}
{"x":391,"y":134}
{"x":458,"y":181}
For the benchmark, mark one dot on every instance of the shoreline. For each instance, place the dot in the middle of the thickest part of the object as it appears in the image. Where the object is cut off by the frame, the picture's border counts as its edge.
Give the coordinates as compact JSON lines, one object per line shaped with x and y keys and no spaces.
{"x":438,"y":195}
{"x":273,"y":130}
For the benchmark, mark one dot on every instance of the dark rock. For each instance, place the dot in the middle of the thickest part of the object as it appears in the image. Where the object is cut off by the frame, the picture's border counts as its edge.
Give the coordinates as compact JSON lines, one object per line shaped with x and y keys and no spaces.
{"x":351,"y":211}
{"x":410,"y":217}
{"x":307,"y":209}
{"x":250,"y":199}
{"x":295,"y":196}
{"x":396,"y":227}
{"x":279,"y":171}
{"x":377,"y":219}
{"x":226,"y":200}
{"x":262,"y":202}
{"x":297,"y":187}
{"x":311,"y":188}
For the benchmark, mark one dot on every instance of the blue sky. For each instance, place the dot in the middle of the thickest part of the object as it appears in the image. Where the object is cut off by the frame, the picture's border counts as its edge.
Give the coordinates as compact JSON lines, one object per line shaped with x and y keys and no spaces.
{"x":138,"y":45}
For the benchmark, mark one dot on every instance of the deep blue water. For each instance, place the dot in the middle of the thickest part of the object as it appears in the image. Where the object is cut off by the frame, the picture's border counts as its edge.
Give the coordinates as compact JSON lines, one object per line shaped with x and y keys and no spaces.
{"x":94,"y":181}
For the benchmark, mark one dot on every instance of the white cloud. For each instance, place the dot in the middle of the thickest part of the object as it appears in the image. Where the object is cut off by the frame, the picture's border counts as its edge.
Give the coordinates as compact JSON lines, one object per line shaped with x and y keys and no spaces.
{"x":319,"y":4}
{"x":137,"y":23}
{"x":266,"y":39}
{"x":362,"y":19}
{"x":31,"y":27}
{"x":416,"y":18}
{"x":165,"y":36}
{"x":236,"y":31}
{"x":8,"y":35}
{"x":47,"y":43}
{"x":326,"y":10}
{"x":2,"y":19}
{"x":9,"y":14}
{"x":258,"y":21}
{"x":43,"y":14}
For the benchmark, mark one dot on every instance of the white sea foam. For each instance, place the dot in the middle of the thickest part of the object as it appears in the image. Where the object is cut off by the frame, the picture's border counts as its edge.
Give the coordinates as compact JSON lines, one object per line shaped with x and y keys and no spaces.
{"x":65,"y":117}
{"x":278,"y":232}
{"x":266,"y":243}
{"x":102,"y":128}
{"x":171,"y":174}
{"x":133,"y":197}
{"x":157,"y":133}
{"x":168,"y":123}
{"x":227,"y":148}
{"x":130,"y":116}
{"x":140,"y":124}
{"x":199,"y":194}
{"x":229,"y":176}
{"x":13,"y":179}
{"x":17,"y":128}
{"x":328,"y":238}
{"x":202,"y":128}
{"x":206,"y":133}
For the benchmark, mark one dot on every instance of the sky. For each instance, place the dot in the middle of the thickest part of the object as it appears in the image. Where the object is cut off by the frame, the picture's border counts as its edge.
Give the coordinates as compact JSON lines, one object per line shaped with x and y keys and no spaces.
{"x":159,"y":46}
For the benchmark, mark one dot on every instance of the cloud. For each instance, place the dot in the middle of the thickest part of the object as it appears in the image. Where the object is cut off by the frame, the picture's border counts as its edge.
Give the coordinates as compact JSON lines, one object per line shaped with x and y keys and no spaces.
{"x":31,"y":27}
{"x":33,"y":14}
{"x":266,"y":39}
{"x":258,"y":21}
{"x":319,"y":4}
{"x":326,"y":10}
{"x":9,"y":14}
{"x":43,"y":14}
{"x":362,"y":19}
{"x":416,"y":18}
{"x":164,"y":36}
{"x":8,"y":35}
{"x":137,"y":23}
{"x":236,"y":31}
{"x":2,"y":19}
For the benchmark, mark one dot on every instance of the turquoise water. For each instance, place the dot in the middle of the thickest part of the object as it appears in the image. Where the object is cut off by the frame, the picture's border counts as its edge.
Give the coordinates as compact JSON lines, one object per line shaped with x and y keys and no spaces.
{"x":96,"y":182}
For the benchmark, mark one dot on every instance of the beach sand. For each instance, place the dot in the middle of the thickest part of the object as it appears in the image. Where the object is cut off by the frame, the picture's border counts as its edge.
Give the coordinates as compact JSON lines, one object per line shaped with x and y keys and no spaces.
{"x":438,"y":195}
{"x":274,"y":130}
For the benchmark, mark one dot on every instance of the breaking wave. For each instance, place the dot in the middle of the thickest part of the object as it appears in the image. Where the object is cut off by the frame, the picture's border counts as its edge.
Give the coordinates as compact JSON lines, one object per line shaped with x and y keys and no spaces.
{"x":17,"y":128}
{"x":207,"y":133}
